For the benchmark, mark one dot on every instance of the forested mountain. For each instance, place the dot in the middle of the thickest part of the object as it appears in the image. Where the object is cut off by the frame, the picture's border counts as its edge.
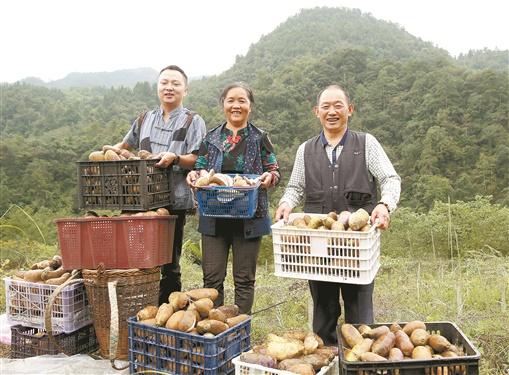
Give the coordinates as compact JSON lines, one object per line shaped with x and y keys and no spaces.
{"x":118,"y":78}
{"x":485,"y":59}
{"x":443,"y":124}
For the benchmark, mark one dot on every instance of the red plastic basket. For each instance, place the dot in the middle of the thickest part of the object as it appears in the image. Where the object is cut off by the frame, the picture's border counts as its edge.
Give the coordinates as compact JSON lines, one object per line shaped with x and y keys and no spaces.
{"x":117,"y":242}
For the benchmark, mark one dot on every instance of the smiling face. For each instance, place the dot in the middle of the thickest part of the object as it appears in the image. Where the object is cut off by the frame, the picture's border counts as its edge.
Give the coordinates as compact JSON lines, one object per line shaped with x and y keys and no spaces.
{"x":237,"y":107}
{"x":171,"y":88}
{"x":333,"y":110}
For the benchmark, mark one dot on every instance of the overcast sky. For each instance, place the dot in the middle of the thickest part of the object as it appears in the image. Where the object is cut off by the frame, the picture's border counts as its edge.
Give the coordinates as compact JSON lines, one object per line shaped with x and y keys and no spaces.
{"x":51,"y":38}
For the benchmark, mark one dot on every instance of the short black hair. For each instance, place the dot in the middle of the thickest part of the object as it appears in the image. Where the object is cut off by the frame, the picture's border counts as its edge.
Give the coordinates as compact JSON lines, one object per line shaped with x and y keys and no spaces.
{"x":242,"y":85}
{"x":333,"y":86}
{"x":174,"y":67}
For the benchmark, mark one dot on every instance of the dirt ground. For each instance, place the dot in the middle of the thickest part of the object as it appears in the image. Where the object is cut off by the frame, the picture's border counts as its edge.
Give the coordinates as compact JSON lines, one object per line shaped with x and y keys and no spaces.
{"x":5,"y":351}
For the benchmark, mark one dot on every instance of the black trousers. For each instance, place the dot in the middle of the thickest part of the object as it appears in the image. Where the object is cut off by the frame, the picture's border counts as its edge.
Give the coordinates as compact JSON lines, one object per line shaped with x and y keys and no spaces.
{"x":215,"y":250}
{"x":358,"y":302}
{"x":170,"y":272}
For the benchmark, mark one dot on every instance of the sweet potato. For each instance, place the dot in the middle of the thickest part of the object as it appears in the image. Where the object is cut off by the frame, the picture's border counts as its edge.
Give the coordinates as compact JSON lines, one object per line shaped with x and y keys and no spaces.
{"x":163,"y":314}
{"x":236,"y":320}
{"x":203,"y":306}
{"x":150,"y":322}
{"x":110,"y":155}
{"x":192,"y":307}
{"x":229,"y":310}
{"x":287,"y":363}
{"x":395,"y":355}
{"x":302,"y":369}
{"x":350,"y":356}
{"x":316,"y":360}
{"x":410,"y":327}
{"x":371,"y":357}
{"x":448,"y":354}
{"x":41,"y":265}
{"x":259,"y":359}
{"x":377,"y":332}
{"x":58,"y":280}
{"x":96,"y":156}
{"x":326,"y":351}
{"x":282,"y":348}
{"x":358,"y":219}
{"x":310,"y":343}
{"x":148,"y":312}
{"x":196,"y":294}
{"x":216,"y":314}
{"x":403,"y":343}
{"x":395,"y":327}
{"x":337,"y":226}
{"x":328,"y":222}
{"x":419,"y":337}
{"x":350,"y":334}
{"x":384,"y":344}
{"x":178,"y":300}
{"x":363,"y":347}
{"x":33,"y":275}
{"x":364,"y":329}
{"x":48,"y":273}
{"x":211,"y":326}
{"x":174,"y":319}
{"x":162,"y":211}
{"x":298,"y":334}
{"x":421,"y":352}
{"x":187,"y":322}
{"x":439,"y":343}
{"x":343,"y":218}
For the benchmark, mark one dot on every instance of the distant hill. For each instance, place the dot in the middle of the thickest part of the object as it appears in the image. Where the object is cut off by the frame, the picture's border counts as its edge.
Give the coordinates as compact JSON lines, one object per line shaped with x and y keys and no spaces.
{"x":318,"y":31}
{"x":485,"y":59}
{"x":117,"y":78}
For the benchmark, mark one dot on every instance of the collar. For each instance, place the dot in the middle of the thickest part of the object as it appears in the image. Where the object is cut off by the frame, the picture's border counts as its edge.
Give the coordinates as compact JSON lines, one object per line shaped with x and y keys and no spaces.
{"x":326,"y":143}
{"x":173,"y":113}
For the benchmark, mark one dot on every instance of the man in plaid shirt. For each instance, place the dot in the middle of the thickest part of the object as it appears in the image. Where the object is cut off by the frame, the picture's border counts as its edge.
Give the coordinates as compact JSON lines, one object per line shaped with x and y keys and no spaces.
{"x":174,"y":134}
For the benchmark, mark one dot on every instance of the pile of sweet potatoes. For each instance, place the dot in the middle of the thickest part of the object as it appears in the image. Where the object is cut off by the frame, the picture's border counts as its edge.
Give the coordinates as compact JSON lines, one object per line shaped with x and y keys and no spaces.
{"x":395,"y":343}
{"x":192,"y":312}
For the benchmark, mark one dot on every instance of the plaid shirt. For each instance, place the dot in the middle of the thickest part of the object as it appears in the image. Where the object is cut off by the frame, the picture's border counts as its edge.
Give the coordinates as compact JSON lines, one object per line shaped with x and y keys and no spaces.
{"x":171,"y":137}
{"x":377,"y":162}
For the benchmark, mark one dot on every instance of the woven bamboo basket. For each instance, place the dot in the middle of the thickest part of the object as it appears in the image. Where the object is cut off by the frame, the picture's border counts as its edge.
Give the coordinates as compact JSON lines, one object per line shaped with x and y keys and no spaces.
{"x":128,"y":292}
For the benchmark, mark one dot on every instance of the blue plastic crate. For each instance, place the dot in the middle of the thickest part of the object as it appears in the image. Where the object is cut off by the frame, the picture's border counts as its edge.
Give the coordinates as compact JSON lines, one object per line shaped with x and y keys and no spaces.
{"x":174,"y":352}
{"x":227,"y":201}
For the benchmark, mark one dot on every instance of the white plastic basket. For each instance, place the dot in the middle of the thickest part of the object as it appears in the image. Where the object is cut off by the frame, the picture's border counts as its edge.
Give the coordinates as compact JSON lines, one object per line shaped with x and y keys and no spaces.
{"x":26,"y":303}
{"x":243,"y":368}
{"x":325,"y":255}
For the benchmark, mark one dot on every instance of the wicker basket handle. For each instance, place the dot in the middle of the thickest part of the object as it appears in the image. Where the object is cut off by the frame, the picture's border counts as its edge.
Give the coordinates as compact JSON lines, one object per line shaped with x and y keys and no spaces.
{"x":114,"y":326}
{"x":49,"y":308}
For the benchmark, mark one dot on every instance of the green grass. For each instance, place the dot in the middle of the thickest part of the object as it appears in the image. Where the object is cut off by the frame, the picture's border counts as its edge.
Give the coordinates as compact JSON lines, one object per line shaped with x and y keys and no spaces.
{"x":472,"y":292}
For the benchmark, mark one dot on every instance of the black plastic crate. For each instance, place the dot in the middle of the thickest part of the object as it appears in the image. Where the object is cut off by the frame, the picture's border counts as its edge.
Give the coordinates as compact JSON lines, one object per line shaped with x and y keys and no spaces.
{"x":131,"y":185}
{"x":164,"y":350}
{"x":30,"y":342}
{"x":464,"y":365}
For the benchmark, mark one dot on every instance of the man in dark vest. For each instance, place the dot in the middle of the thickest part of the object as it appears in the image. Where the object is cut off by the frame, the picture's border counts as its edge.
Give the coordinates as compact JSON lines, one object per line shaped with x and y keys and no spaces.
{"x":339,"y":170}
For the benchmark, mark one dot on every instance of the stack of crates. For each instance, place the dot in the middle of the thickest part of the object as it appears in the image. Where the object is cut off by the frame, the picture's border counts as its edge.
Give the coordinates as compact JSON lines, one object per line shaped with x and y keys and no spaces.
{"x":72,"y":331}
{"x":129,"y":241}
{"x":122,"y":242}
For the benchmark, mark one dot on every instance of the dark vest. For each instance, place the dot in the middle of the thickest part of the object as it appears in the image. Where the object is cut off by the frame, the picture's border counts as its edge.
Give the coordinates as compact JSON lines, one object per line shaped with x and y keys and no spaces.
{"x":259,"y":225}
{"x":345,"y":186}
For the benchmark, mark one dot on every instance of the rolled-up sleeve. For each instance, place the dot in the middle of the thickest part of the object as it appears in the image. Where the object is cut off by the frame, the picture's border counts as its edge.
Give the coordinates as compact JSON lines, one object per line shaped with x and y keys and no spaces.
{"x":132,"y":137}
